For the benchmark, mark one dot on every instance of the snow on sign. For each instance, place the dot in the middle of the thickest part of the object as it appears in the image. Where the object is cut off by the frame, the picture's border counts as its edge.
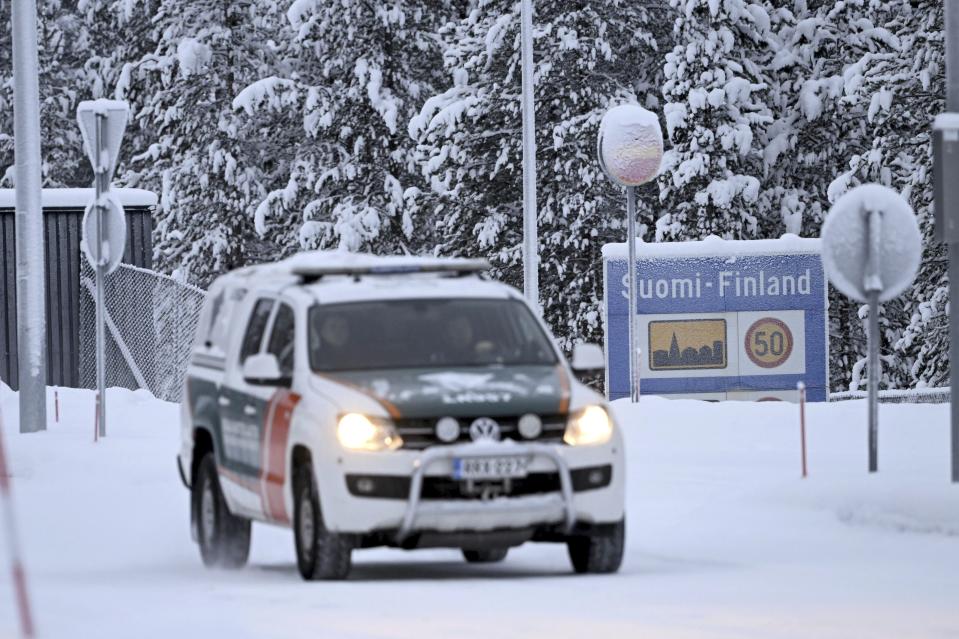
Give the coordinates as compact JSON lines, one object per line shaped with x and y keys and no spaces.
{"x":720,"y":319}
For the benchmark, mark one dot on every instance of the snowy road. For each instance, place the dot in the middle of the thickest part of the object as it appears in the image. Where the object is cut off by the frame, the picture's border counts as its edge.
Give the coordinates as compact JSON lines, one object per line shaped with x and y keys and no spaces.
{"x":724,"y":540}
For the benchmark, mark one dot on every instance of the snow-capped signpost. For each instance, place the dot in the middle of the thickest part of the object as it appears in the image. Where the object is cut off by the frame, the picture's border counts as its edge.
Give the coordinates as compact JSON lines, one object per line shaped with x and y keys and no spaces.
{"x":102,"y":123}
{"x":630,"y":150}
{"x":871,"y":248}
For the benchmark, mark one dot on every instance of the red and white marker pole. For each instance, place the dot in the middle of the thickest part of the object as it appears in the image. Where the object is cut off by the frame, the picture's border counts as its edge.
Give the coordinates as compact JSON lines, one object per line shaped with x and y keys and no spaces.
{"x":13,"y":546}
{"x":802,"y":424}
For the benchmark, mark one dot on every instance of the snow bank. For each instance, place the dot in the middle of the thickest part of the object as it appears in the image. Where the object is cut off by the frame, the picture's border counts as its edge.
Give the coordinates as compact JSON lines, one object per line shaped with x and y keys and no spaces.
{"x":79,"y":198}
{"x":724,"y":538}
{"x":713,"y":246}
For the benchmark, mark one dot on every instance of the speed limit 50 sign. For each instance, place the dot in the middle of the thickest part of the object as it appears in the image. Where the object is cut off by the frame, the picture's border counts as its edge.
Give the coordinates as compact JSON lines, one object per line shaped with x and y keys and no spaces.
{"x":769,"y":342}
{"x":721,"y":319}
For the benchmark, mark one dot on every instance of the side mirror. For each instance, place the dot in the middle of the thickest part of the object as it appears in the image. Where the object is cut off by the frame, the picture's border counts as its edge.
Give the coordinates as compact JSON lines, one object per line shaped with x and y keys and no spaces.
{"x":264,"y":370}
{"x":588,"y":357}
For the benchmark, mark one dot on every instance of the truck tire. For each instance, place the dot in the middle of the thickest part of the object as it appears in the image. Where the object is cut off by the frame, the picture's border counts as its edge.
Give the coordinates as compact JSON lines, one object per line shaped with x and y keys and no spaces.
{"x":600,"y":551}
{"x":223,"y":537}
{"x":489,"y":556}
{"x":320,"y":554}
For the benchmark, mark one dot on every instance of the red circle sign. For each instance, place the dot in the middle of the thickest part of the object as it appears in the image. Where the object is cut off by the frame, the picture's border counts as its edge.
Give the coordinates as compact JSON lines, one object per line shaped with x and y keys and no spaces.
{"x":769,"y":342}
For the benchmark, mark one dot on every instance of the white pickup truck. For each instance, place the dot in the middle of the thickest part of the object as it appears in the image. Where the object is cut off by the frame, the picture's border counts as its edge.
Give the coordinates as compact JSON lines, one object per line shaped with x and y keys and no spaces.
{"x":408,"y":402}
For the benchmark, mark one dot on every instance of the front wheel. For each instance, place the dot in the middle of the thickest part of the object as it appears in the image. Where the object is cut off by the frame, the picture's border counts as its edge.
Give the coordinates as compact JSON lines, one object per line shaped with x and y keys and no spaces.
{"x":600,"y":551}
{"x":320,"y":554}
{"x":224,"y":538}
{"x":489,"y":556}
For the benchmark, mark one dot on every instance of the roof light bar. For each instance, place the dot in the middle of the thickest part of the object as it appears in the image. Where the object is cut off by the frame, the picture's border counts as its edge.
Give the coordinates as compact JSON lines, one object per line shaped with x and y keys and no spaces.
{"x":453,"y":267}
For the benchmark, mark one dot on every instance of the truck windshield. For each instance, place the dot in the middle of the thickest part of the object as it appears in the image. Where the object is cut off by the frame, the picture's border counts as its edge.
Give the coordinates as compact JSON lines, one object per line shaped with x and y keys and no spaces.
{"x":425,"y":333}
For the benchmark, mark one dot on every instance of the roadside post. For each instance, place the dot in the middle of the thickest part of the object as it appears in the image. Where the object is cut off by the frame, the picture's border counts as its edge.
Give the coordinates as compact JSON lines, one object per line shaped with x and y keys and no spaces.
{"x":630,"y":150}
{"x":17,"y":573}
{"x":801,"y":387}
{"x":871,"y":249}
{"x":102,"y":123}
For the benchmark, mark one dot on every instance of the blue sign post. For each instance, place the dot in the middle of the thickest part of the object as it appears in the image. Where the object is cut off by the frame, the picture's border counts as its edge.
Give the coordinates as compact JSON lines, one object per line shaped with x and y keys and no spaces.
{"x":720,"y":319}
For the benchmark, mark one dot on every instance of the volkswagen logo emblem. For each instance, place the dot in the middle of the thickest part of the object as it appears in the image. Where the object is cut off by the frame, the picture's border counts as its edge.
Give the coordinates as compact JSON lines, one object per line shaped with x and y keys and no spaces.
{"x":484,"y":429}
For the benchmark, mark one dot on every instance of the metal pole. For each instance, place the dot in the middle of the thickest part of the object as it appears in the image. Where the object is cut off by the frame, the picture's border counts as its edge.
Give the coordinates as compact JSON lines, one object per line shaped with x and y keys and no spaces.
{"x":31,"y":312}
{"x":954,"y":357}
{"x":952,"y":105}
{"x":100,"y":186}
{"x":873,"y":286}
{"x":530,"y":252}
{"x":631,"y":266}
{"x":874,"y":365}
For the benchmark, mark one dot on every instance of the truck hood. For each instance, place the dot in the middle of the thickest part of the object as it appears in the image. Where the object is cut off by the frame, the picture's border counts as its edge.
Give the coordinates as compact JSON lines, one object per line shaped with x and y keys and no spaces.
{"x":463,"y":392}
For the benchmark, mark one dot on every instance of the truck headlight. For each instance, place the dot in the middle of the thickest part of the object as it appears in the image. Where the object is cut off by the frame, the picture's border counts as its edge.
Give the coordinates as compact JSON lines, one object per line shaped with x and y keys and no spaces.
{"x":360,"y":432}
{"x":589,"y":425}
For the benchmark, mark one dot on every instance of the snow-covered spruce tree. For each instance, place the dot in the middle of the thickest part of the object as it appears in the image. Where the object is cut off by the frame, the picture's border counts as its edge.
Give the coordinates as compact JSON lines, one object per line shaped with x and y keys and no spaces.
{"x":356,"y":72}
{"x":589,"y":56}
{"x":823,"y":53}
{"x":853,"y":88}
{"x":900,"y":89}
{"x":716,"y":114}
{"x":64,"y":42}
{"x":192,"y":148}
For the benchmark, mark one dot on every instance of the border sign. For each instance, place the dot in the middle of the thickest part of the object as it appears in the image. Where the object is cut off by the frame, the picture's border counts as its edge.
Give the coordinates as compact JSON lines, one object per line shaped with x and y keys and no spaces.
{"x":720,"y":319}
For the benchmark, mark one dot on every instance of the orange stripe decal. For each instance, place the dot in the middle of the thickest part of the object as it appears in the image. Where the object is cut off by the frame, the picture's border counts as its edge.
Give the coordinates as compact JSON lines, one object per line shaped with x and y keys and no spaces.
{"x":390,"y":407}
{"x":563,"y":389}
{"x":276,"y":433}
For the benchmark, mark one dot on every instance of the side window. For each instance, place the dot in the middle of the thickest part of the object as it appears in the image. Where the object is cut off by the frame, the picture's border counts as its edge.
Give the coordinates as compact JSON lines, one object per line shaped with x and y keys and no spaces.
{"x":282,"y":342}
{"x":214,"y":305}
{"x":255,"y":329}
{"x":221,"y":312}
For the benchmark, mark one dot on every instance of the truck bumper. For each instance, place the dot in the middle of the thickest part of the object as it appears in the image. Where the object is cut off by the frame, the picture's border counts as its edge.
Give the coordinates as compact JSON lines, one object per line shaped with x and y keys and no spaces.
{"x":408,"y":492}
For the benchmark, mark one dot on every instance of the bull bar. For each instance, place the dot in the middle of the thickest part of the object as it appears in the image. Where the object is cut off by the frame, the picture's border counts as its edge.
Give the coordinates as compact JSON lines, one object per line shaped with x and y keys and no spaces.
{"x":479,"y":450}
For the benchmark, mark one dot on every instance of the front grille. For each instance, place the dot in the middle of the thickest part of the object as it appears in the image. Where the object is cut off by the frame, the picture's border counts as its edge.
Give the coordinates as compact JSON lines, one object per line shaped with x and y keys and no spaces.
{"x":420,"y":433}
{"x":398,"y":486}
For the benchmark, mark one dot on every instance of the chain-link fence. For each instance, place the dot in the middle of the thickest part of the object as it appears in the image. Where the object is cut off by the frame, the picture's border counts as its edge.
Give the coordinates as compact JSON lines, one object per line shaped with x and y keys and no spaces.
{"x":150,"y":323}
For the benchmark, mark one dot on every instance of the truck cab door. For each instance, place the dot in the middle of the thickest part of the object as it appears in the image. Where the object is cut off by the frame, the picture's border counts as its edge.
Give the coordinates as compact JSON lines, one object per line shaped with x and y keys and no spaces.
{"x":243,"y":413}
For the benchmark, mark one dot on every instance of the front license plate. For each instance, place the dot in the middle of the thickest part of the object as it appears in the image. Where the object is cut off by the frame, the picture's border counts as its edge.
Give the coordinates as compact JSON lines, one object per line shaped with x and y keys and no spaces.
{"x":489,"y":467}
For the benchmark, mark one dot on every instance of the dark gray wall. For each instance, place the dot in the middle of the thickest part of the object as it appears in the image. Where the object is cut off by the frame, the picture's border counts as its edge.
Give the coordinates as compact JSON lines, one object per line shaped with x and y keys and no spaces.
{"x":62,"y":253}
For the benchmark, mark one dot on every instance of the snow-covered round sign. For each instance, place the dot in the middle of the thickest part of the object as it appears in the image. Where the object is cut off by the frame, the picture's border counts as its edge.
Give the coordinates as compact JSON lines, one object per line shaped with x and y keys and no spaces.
{"x":845,"y":242}
{"x":113,"y":235}
{"x":630,"y":145}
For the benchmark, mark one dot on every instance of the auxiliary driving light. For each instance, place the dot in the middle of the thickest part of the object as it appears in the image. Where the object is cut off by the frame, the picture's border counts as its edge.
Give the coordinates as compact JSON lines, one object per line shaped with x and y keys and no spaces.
{"x":530,"y":426}
{"x":448,"y":429}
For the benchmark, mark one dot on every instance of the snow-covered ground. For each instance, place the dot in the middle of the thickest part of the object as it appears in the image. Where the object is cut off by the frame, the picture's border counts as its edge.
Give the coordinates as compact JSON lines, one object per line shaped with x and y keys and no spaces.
{"x":724,"y":539}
